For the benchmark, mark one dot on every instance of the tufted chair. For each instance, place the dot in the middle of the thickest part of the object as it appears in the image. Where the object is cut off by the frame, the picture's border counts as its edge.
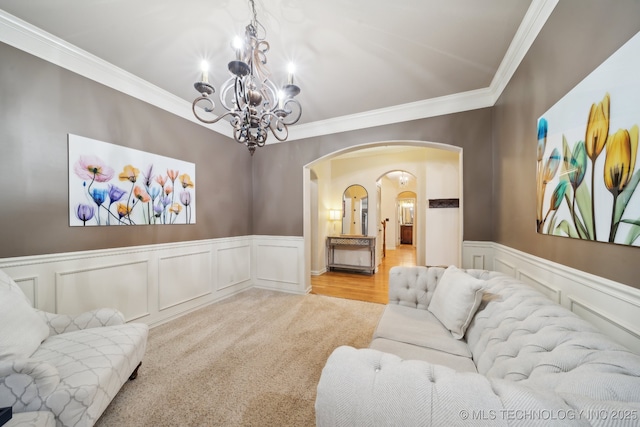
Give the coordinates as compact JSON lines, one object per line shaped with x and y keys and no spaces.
{"x":71,"y":366}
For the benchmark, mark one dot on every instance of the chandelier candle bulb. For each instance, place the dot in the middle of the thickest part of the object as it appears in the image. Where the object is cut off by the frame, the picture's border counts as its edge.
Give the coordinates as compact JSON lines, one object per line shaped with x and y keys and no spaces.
{"x":291,"y":68}
{"x":238,"y":45}
{"x":204,"y":66}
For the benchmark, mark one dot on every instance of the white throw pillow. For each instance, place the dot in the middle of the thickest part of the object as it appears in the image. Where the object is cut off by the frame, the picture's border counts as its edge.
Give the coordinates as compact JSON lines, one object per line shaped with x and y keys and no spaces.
{"x":456,"y":300}
{"x":21,"y":329}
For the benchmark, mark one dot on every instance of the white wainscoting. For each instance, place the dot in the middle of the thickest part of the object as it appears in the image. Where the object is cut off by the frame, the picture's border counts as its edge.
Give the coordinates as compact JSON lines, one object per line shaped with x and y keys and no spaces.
{"x":156,"y":283}
{"x":612,"y":307}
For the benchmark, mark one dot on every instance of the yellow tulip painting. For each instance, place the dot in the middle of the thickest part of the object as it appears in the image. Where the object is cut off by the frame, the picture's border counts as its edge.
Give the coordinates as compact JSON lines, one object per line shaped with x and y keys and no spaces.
{"x":587,"y":171}
{"x":111,"y":185}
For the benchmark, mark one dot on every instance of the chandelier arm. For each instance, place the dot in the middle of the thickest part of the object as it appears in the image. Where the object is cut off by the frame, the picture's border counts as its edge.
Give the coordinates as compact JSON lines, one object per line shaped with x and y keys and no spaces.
{"x":240,"y":93}
{"x":270,"y":96}
{"x":272,"y":87}
{"x":281,"y":130}
{"x":288,"y":118}
{"x":209,"y":110}
{"x":261,"y":137}
{"x":224,"y":91}
{"x":237,"y":135}
{"x":277,"y":127}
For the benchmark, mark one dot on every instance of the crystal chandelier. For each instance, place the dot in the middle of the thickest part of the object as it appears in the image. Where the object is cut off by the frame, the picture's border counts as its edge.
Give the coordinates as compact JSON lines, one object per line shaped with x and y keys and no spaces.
{"x":254,"y":103}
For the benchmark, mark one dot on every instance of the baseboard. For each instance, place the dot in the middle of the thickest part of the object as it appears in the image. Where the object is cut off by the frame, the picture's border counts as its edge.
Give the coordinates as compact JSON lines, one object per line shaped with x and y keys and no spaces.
{"x":318,"y":272}
{"x":611,"y":306}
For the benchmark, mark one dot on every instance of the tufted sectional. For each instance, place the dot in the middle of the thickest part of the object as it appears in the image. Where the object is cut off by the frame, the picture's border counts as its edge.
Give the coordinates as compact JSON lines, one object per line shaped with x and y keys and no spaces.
{"x":524,"y":360}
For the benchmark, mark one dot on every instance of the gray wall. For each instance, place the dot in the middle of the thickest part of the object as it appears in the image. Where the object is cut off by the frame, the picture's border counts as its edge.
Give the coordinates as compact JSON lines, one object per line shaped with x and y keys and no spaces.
{"x":578,"y":37}
{"x":237,"y":195}
{"x":277,"y":169}
{"x":40,"y":103}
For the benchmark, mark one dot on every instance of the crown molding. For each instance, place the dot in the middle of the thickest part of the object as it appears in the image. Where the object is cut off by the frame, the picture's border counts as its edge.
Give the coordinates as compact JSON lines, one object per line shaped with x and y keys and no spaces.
{"x":448,"y":104}
{"x":531,"y":25}
{"x":35,"y":41}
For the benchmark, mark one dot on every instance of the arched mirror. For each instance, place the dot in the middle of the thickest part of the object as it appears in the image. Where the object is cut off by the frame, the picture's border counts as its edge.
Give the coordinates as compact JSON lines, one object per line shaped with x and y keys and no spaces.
{"x":355,"y":214}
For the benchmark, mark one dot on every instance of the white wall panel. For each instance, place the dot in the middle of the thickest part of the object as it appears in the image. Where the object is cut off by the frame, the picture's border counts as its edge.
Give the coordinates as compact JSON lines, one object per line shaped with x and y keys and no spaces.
{"x":608,"y":322}
{"x":478,"y":255}
{"x":553,"y":292}
{"x":117,"y":285}
{"x":182,"y":278}
{"x":477,"y":262}
{"x":277,"y":264}
{"x":234,"y":265}
{"x":280,"y":264}
{"x":503,"y":266}
{"x":443,"y":236}
{"x":29,"y":286}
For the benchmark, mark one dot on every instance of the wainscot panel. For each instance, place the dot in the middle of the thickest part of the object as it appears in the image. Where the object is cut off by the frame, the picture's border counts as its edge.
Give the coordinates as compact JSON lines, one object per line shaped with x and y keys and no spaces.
{"x":29,"y":286}
{"x":280,"y":263}
{"x":122,"y":285}
{"x":183,"y":277}
{"x":610,"y":306}
{"x":233,"y":264}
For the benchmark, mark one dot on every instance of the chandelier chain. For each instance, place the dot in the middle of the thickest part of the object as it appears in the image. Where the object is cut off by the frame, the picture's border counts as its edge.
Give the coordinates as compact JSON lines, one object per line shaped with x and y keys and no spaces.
{"x":255,"y":15}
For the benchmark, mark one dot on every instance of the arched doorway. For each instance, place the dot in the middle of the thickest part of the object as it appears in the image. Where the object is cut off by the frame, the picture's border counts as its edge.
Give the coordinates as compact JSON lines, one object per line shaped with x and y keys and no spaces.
{"x":398,"y":202}
{"x":406,"y":224}
{"x":432,"y":164}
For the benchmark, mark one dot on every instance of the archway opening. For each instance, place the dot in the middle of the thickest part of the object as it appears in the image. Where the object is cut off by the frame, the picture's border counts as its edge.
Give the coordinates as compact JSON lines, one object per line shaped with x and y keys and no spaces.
{"x":436,"y":169}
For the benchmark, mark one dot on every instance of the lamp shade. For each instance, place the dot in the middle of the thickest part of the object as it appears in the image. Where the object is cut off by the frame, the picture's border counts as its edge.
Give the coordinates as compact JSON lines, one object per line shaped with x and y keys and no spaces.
{"x":334,"y":214}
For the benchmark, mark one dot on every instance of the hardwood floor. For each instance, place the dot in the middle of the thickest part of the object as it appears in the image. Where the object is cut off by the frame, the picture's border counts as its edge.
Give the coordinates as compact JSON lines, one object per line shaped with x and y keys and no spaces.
{"x":360,"y":286}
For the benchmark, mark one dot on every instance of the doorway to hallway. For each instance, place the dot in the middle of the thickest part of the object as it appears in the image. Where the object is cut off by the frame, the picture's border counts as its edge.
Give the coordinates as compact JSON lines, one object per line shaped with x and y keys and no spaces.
{"x":363,"y":287}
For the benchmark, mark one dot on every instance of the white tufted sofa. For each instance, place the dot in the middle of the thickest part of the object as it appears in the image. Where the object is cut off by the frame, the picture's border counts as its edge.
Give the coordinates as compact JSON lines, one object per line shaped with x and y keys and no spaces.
{"x":524,"y":360}
{"x":70,"y":366}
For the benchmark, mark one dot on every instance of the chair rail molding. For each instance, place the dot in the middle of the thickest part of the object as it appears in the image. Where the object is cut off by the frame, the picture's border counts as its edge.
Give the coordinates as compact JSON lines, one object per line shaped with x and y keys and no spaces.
{"x":157,"y":283}
{"x":610,"y":306}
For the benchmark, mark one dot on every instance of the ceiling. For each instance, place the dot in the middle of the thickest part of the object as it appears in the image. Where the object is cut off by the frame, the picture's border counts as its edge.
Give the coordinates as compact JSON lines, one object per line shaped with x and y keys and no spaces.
{"x":354,"y":58}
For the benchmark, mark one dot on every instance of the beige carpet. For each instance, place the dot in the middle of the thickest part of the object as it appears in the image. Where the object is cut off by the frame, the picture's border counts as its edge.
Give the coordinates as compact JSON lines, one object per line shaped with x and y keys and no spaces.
{"x":251,"y":360}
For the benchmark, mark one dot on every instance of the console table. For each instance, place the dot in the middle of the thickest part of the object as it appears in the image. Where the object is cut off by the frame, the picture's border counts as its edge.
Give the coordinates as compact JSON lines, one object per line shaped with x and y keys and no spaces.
{"x":351,"y":253}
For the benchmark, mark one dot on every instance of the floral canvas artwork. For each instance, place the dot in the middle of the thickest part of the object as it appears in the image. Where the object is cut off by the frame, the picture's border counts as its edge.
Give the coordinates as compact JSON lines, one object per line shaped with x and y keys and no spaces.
{"x":111,"y":185}
{"x":587,"y":156}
